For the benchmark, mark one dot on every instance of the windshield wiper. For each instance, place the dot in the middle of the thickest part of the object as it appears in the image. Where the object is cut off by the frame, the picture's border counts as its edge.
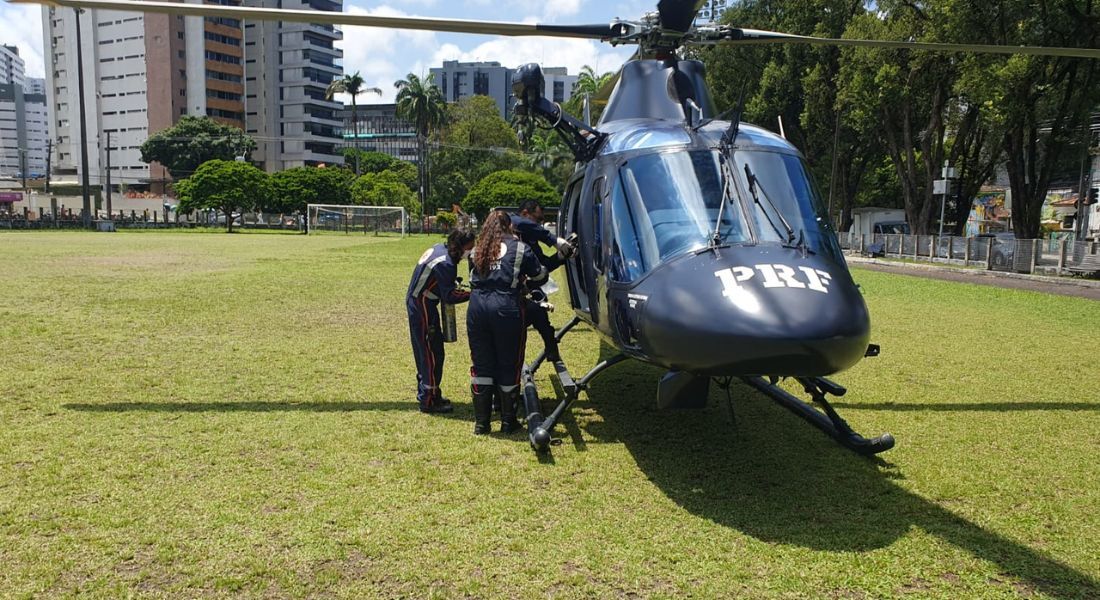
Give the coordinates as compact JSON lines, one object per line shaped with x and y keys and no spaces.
{"x":727,"y":182}
{"x":754,"y":184}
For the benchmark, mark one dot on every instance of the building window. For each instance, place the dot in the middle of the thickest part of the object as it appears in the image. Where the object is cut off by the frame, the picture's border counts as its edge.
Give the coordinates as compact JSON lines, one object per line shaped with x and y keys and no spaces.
{"x":222,"y":39}
{"x":220,"y":57}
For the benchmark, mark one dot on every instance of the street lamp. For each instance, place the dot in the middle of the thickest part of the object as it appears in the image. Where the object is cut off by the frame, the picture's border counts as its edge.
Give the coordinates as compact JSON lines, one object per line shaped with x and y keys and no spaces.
{"x":87,"y":217}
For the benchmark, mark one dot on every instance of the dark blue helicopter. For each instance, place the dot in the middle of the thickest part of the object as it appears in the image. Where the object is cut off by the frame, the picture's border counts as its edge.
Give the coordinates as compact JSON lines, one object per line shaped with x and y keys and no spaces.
{"x":704,"y":249}
{"x":703,"y":246}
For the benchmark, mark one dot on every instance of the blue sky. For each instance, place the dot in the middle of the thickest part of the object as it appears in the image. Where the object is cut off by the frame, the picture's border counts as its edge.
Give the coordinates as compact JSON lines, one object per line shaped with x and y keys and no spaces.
{"x":383,"y":56}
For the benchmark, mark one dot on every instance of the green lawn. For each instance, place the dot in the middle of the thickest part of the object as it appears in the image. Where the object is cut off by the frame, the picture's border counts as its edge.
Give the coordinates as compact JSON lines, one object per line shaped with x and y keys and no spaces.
{"x":194,"y":415}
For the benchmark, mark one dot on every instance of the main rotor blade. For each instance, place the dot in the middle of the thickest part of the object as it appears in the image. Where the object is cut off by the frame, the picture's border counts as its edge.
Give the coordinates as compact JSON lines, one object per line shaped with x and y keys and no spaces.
{"x":757,"y":36}
{"x":339,"y":18}
{"x":678,"y":15}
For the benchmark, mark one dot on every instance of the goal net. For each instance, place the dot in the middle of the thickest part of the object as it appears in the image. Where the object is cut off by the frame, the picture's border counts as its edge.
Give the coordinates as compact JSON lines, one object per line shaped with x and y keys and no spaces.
{"x":349,"y":219}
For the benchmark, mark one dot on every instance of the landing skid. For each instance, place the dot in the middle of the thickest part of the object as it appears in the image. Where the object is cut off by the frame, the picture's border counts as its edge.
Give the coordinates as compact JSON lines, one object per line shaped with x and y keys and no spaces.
{"x":540,"y":428}
{"x":829,"y":421}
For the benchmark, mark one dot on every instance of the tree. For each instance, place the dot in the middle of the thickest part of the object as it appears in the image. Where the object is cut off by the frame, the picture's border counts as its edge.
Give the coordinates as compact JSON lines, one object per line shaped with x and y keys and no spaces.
{"x":293,"y":189}
{"x":385,"y":189}
{"x":353,"y":86}
{"x":508,"y":188}
{"x":475,"y":143}
{"x":369,"y":161}
{"x":420,"y":102}
{"x":590,"y":84}
{"x":193,"y":141}
{"x":1039,"y":104}
{"x":225,"y":185}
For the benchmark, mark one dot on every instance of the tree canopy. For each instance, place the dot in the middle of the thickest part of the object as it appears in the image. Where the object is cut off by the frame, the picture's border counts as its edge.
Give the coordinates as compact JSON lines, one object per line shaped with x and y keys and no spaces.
{"x":854,"y":110}
{"x":508,"y":188}
{"x":477,"y":141}
{"x":293,"y":189}
{"x":386,"y":188}
{"x":193,"y":141}
{"x":228,"y":186}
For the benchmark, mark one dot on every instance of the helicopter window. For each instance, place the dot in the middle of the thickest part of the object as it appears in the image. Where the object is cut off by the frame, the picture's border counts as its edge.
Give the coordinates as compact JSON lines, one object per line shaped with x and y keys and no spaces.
{"x":784,"y":180}
{"x":666,"y":204}
{"x":628,"y":260}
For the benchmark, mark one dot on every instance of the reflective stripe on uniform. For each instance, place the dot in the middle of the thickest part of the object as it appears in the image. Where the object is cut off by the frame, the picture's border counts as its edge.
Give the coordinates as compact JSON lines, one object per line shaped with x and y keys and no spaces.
{"x":481,"y":381}
{"x":425,"y":274}
{"x":520,"y":247}
{"x":507,"y":388}
{"x":430,"y":296}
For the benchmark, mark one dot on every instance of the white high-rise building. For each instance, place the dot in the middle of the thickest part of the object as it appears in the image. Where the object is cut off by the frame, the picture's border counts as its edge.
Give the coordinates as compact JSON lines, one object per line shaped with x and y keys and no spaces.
{"x":11,"y":66}
{"x":458,"y":80}
{"x":23,"y":119}
{"x":35,"y":85}
{"x":288,"y":66}
{"x":142,"y":72}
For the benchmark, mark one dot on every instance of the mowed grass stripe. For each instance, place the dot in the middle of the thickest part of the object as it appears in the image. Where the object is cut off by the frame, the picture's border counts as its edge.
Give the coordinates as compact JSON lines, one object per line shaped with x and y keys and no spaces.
{"x":206,"y":414}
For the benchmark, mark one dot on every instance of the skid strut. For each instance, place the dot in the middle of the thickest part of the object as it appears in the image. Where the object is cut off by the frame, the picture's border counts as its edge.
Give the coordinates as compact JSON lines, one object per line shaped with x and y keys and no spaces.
{"x":540,"y":428}
{"x":829,"y":421}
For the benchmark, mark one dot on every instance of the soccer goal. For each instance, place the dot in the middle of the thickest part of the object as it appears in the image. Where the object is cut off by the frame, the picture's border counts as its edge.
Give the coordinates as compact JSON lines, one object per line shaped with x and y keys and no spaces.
{"x":349,"y":219}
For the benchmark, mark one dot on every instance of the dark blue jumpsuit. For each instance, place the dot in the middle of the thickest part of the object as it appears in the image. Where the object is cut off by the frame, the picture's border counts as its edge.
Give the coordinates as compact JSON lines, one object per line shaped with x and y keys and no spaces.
{"x":494,"y":321}
{"x":531,"y":233}
{"x":433,"y":280}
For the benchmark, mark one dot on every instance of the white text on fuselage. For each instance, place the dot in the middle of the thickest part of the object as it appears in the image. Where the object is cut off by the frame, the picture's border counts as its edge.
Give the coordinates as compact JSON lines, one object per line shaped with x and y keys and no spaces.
{"x":774,"y":276}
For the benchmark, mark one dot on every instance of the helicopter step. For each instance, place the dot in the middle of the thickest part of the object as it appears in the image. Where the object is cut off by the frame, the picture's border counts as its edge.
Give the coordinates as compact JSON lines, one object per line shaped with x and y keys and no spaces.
{"x":829,"y":421}
{"x":540,"y":428}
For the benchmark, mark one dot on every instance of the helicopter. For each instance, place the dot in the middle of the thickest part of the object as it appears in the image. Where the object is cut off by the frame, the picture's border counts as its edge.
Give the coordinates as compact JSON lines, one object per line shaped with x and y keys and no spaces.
{"x":703,"y":246}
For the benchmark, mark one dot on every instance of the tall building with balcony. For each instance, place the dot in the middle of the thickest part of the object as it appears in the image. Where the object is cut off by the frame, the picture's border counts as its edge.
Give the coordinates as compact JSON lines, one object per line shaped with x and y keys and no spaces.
{"x":288,"y":67}
{"x":142,"y":72}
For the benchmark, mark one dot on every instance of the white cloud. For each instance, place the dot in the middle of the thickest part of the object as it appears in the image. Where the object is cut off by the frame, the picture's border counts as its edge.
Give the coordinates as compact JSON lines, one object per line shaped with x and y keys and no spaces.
{"x":21,"y":26}
{"x":380,"y":54}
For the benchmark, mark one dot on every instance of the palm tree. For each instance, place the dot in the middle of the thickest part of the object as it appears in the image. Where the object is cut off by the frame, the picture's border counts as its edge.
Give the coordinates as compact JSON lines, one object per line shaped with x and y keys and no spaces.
{"x":590,"y":84}
{"x":353,"y":85}
{"x":420,"y":102}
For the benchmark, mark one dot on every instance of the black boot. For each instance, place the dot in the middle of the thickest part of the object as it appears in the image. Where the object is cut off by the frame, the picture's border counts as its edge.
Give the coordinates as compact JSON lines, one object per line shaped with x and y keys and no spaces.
{"x":483,"y":409}
{"x":509,"y":402}
{"x":552,"y":354}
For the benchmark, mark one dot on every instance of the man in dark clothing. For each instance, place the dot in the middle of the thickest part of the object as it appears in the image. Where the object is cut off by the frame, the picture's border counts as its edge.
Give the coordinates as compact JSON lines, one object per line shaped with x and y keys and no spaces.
{"x":527,"y":226}
{"x":433,"y":281}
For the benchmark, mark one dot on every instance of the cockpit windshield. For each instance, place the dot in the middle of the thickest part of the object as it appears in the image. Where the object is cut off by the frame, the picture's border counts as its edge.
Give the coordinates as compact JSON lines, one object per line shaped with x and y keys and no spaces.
{"x":783,"y":185}
{"x":667,"y":203}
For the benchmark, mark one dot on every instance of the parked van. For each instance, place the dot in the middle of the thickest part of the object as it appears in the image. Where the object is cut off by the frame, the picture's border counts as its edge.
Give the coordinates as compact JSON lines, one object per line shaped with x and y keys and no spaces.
{"x":872,"y":220}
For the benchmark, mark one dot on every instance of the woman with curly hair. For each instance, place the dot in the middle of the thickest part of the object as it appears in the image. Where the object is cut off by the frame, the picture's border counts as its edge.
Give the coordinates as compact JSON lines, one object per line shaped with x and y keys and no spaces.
{"x":501,"y":266}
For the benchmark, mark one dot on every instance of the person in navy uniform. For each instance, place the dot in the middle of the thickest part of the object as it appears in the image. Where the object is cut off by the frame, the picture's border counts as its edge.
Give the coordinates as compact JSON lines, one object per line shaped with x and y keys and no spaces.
{"x":433,"y":281}
{"x":527,"y":225}
{"x":501,"y":266}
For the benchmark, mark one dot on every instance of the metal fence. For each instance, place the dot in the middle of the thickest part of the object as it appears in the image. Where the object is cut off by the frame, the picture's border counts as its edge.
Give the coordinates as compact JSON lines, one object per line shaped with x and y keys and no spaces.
{"x":996,"y":253}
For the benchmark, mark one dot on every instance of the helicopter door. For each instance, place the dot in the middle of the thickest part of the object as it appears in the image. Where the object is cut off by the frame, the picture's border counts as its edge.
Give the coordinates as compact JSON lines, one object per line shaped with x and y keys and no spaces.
{"x":578,"y":291}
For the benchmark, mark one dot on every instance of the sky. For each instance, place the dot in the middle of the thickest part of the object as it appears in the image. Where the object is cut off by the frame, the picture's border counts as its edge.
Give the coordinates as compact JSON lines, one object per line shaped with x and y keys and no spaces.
{"x":384,"y":56}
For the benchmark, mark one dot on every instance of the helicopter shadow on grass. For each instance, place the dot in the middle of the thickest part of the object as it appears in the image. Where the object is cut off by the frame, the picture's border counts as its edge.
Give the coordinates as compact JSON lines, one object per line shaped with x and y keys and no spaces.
{"x":777,"y":479}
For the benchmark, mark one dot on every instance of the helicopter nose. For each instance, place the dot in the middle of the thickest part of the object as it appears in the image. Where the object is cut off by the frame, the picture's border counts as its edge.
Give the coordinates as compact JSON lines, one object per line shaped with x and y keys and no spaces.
{"x":754,"y":311}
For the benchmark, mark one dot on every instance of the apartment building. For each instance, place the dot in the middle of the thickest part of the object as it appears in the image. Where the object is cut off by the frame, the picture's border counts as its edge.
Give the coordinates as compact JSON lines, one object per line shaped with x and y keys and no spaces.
{"x":12,"y":68}
{"x":142,"y":72}
{"x":23,"y":119}
{"x":459,"y":80}
{"x":288,"y":67}
{"x":380,"y":130}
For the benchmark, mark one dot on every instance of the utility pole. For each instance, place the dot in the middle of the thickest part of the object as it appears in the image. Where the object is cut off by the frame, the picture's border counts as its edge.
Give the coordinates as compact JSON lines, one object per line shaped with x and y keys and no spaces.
{"x":23,"y":166}
{"x":110,"y":215}
{"x":87,"y":216}
{"x":49,"y":156}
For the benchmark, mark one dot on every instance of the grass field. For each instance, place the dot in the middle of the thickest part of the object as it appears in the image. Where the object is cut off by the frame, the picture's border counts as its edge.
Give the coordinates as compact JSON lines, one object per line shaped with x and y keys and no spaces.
{"x":195,"y":415}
